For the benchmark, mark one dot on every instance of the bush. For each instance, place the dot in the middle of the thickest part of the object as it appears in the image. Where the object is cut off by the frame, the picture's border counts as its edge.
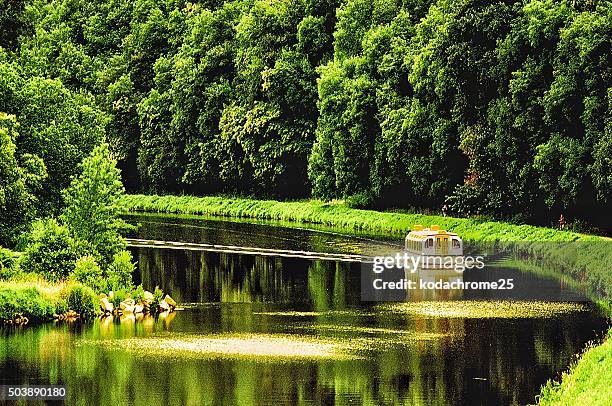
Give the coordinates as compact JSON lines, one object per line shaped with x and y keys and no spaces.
{"x":362,"y":200}
{"x":51,"y":251}
{"x":138,"y":293}
{"x":88,"y":272}
{"x":26,"y":301}
{"x":9,"y":263}
{"x":119,"y":273}
{"x":82,"y":299}
{"x":158,"y":296}
{"x":119,"y":296}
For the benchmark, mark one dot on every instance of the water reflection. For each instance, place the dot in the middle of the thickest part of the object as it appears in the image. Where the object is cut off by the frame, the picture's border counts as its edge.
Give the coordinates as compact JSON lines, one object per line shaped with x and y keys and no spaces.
{"x":398,"y":355}
{"x":246,"y":234}
{"x":463,"y":361}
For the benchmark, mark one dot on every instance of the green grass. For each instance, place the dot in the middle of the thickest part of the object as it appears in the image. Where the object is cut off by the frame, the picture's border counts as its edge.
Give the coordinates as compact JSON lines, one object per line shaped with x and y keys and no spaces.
{"x":586,"y":383}
{"x":40,"y":300}
{"x":340,"y":216}
{"x":36,"y":301}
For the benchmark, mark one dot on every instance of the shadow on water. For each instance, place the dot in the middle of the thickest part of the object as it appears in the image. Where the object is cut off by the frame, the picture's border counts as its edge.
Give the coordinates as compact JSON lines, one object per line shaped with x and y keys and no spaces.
{"x":286,"y":331}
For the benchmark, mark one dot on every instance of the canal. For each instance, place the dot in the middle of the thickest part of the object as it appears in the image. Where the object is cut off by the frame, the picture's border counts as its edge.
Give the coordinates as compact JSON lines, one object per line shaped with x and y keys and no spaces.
{"x":273,"y":330}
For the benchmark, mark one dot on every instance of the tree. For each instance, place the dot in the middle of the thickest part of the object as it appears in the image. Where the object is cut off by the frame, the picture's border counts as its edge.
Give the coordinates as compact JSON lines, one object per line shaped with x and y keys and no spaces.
{"x":11,"y":22}
{"x":51,"y":251}
{"x":17,"y":184}
{"x":91,"y":211}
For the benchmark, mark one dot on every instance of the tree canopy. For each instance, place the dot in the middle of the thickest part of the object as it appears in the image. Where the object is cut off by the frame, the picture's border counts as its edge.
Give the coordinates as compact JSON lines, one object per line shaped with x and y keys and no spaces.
{"x":492,"y":108}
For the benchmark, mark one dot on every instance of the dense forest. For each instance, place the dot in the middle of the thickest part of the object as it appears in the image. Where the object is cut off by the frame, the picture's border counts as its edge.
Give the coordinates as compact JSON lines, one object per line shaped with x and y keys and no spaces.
{"x":500,"y":109}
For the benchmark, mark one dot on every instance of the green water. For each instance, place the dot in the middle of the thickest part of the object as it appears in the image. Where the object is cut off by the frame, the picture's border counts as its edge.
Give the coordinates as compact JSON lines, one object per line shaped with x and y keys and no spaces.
{"x":274,"y":331}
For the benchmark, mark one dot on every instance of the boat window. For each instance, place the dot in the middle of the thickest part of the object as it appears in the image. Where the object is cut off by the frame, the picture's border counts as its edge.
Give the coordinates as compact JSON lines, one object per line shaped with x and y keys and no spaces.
{"x":456,"y":243}
{"x":429,"y":243}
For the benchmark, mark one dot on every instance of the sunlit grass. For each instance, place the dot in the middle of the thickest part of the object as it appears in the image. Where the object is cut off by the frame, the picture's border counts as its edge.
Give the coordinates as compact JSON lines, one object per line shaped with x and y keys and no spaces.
{"x":46,"y":289}
{"x":337,"y":214}
{"x":482,"y":309}
{"x":587,"y":383}
{"x":258,"y":347}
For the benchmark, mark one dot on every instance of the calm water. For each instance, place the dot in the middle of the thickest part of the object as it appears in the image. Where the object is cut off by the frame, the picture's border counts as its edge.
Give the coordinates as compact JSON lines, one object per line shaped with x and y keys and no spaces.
{"x":286,"y":331}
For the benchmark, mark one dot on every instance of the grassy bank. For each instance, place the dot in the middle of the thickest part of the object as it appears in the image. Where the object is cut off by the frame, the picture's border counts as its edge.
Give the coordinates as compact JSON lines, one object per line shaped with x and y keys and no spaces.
{"x":338,"y":215}
{"x":586,"y":383}
{"x":31,"y":299}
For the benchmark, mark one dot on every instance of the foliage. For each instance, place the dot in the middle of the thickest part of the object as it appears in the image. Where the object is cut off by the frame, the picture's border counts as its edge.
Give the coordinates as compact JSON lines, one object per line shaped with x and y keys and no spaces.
{"x":119,"y":295}
{"x":467,"y":103}
{"x":138,"y":293}
{"x":24,"y":300}
{"x":88,"y":272}
{"x":492,"y":108}
{"x":361,"y":200}
{"x":18,"y":182}
{"x":11,"y":22}
{"x":57,"y":128}
{"x":91,"y":204}
{"x":82,"y":299}
{"x":587,"y":381}
{"x":9,"y":263}
{"x":158,"y":296}
{"x":117,"y":276}
{"x":51,"y":251}
{"x":119,"y":272}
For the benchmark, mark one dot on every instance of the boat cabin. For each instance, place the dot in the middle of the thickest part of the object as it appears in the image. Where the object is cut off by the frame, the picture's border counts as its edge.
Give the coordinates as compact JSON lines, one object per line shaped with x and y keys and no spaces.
{"x":433,"y":241}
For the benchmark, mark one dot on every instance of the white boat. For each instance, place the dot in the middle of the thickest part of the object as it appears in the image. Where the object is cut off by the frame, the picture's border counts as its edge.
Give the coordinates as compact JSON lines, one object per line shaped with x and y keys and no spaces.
{"x":433,"y":248}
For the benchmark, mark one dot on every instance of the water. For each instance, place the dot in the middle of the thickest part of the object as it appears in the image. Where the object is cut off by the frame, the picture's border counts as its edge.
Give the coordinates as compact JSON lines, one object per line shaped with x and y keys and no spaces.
{"x":284,"y":331}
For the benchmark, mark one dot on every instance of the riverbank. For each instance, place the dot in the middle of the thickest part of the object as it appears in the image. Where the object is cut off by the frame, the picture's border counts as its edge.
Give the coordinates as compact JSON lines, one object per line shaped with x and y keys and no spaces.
{"x":32,"y":299}
{"x":581,"y":257}
{"x":339,"y":215}
{"x":587,"y":382}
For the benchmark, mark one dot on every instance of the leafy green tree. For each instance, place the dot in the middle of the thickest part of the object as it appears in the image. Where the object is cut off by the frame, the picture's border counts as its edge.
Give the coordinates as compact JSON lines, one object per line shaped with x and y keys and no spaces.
{"x":119,"y":272}
{"x":18,"y":183}
{"x":88,"y":272}
{"x":91,"y":211}
{"x":51,"y":251}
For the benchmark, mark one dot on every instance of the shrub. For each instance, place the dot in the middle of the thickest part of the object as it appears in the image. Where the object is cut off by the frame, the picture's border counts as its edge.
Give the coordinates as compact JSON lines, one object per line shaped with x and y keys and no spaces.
{"x":138,"y":293}
{"x":158,"y":295}
{"x":9,"y":263}
{"x":82,"y":299}
{"x":361,"y":200}
{"x":51,"y":251}
{"x":87,"y":272}
{"x":27,"y":301}
{"x":119,"y":296}
{"x":119,"y":273}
